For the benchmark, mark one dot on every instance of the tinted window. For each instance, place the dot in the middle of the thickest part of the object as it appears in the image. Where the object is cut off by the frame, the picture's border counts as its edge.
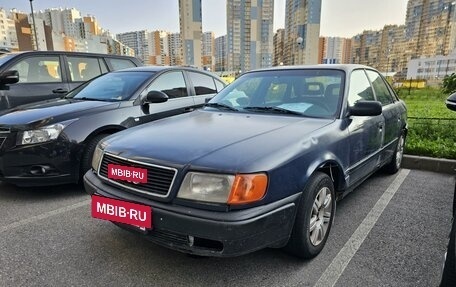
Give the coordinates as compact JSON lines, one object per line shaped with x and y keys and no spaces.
{"x":360,"y":88}
{"x":203,"y":84}
{"x":381,"y":90}
{"x":171,"y":83}
{"x":118,"y":64}
{"x":38,"y":69}
{"x":112,"y":86}
{"x":83,"y":68}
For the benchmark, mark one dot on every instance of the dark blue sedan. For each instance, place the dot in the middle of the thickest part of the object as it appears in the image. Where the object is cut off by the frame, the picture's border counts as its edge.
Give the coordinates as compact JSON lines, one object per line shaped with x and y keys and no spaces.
{"x":261,"y":165}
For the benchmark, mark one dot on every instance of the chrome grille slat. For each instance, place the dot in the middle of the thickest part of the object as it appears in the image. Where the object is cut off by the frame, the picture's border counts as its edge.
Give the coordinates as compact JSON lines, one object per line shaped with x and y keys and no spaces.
{"x":159,"y":179}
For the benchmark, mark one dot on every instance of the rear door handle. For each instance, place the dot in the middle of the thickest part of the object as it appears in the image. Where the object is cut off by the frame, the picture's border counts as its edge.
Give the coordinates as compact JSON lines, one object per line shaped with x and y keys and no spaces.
{"x":60,"y":91}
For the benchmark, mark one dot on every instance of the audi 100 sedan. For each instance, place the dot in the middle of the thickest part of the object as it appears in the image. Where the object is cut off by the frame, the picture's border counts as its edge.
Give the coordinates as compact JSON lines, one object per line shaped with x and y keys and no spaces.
{"x":51,"y":142}
{"x":261,"y":165}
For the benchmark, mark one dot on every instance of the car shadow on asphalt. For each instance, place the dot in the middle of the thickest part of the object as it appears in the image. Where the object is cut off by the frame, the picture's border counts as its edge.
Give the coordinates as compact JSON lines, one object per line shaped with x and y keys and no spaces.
{"x":10,"y":191}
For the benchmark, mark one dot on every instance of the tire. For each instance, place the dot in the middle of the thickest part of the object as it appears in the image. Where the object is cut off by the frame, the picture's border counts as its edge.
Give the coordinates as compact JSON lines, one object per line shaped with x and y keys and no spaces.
{"x":86,"y":160}
{"x":395,"y":164}
{"x":314,"y":217}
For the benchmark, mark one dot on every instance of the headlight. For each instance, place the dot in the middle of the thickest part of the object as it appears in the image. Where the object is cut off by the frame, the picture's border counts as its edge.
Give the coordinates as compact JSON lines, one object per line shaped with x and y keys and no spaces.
{"x":97,"y":155}
{"x":219,"y":188}
{"x":43,"y":134}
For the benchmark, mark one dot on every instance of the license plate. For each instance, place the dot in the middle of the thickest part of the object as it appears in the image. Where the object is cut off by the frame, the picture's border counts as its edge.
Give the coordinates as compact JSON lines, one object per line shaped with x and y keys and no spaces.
{"x":134,"y":214}
{"x":127,"y":173}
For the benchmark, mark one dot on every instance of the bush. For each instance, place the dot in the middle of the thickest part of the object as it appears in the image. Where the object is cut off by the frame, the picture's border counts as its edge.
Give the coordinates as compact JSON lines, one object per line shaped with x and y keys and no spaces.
{"x":449,"y":84}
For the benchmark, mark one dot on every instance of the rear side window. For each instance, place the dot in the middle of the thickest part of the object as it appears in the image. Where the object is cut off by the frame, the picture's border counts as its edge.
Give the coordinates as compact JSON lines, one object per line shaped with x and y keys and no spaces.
{"x":202,"y":83}
{"x":38,"y":69}
{"x":118,"y":64}
{"x":381,"y":90}
{"x":171,"y":83}
{"x":83,"y":68}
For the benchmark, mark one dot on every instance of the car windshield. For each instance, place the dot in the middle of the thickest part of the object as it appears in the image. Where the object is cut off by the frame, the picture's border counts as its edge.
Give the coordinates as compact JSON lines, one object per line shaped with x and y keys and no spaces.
{"x":307,"y":92}
{"x":113,"y":87}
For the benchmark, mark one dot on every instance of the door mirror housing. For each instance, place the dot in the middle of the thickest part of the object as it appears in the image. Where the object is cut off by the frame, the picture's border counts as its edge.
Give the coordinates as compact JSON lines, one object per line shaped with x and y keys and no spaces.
{"x":365,"y":109}
{"x":9,"y":77}
{"x":451,"y":102}
{"x":154,"y":97}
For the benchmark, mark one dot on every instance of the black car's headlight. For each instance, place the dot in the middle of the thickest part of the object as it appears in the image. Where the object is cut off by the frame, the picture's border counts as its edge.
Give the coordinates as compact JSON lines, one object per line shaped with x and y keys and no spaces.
{"x":43,"y":134}
{"x":220,"y":188}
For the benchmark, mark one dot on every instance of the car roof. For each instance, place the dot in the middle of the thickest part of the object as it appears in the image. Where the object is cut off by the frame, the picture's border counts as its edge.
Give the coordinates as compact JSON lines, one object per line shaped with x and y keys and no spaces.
{"x":345,"y":67}
{"x":67,"y":53}
{"x":165,"y":68}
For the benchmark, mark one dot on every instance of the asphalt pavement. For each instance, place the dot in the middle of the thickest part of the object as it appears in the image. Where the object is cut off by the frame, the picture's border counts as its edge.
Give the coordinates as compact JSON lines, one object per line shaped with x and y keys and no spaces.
{"x":391,"y":231}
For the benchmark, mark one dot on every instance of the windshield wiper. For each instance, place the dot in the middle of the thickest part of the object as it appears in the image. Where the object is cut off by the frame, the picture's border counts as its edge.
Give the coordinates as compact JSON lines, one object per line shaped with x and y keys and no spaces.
{"x":273,"y":109}
{"x":93,"y":99}
{"x":221,"y":106}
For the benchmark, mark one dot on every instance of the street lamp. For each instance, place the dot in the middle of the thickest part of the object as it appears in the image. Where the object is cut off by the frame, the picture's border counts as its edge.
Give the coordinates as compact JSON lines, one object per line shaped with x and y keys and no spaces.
{"x":34,"y":26}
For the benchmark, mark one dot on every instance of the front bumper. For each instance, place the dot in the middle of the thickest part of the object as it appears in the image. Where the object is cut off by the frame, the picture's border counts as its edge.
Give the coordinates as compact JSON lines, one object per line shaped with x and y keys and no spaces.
{"x":209,"y":233}
{"x":21,"y":165}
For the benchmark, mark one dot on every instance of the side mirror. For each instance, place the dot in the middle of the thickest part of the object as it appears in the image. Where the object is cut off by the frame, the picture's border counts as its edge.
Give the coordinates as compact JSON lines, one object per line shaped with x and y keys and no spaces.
{"x":9,"y":77}
{"x":451,"y":102}
{"x":154,"y":97}
{"x":365,"y":109}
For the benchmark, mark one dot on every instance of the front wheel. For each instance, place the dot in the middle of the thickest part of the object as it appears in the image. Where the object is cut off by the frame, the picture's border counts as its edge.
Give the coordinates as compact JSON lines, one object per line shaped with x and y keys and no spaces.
{"x":314,"y":217}
{"x":86,"y":160}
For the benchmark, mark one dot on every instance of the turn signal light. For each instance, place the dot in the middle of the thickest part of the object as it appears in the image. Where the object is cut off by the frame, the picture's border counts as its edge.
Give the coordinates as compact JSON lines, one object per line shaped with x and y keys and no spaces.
{"x":248,"y":188}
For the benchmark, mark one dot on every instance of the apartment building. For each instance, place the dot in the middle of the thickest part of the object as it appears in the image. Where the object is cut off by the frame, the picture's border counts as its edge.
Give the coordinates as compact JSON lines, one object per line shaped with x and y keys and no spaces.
{"x":138,"y":41}
{"x":8,"y":35}
{"x":220,"y":54}
{"x":249,"y":34}
{"x":302,"y":31}
{"x":190,"y":20}
{"x":175,"y":49}
{"x":159,"y":48}
{"x":279,"y":48}
{"x":208,"y":51}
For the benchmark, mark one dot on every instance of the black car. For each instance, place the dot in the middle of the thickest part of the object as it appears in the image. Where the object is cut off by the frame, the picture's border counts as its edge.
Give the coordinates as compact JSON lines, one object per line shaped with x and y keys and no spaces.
{"x":33,"y":76}
{"x":51,"y":142}
{"x":449,"y":270}
{"x":260,"y":166}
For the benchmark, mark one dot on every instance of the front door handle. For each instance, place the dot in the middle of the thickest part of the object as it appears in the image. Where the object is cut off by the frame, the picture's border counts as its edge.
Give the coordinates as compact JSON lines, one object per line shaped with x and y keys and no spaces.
{"x":60,"y":91}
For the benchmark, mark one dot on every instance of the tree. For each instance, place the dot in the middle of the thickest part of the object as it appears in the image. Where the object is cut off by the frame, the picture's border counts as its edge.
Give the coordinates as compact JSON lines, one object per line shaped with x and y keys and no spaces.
{"x":449,"y":84}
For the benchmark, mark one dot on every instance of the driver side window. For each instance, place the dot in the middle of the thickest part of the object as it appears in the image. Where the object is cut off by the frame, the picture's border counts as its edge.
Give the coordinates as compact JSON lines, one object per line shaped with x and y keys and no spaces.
{"x":171,"y":83}
{"x":360,"y":88}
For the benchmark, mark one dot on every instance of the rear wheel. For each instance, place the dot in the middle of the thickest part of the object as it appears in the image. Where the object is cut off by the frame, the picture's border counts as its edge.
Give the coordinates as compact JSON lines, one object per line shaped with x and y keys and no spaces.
{"x":314,"y":217}
{"x":395,"y":164}
{"x":86,"y":160}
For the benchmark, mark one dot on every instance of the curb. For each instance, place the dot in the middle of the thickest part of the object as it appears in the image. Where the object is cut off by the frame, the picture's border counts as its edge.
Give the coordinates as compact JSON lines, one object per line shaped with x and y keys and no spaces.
{"x":440,"y":165}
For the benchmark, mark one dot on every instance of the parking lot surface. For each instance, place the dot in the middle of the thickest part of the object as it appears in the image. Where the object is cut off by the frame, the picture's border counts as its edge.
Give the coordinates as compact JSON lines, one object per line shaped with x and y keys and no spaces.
{"x":391,"y":231}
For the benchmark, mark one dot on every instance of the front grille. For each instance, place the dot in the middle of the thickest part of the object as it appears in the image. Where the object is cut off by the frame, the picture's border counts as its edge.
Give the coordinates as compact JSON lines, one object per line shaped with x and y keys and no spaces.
{"x":159,"y":179}
{"x":4,"y":130}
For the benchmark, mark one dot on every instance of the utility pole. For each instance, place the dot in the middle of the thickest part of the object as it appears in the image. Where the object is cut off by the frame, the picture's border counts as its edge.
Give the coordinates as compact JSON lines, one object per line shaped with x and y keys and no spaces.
{"x":34,"y":26}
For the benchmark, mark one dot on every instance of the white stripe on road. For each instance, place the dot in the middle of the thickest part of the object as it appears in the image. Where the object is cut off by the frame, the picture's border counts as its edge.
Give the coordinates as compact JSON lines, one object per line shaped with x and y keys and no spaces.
{"x":43,"y":216}
{"x":340,"y":262}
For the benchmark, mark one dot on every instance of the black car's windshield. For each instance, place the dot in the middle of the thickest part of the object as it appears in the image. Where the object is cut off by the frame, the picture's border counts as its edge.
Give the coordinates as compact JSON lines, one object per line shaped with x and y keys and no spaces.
{"x":116,"y":86}
{"x":306,"y":92}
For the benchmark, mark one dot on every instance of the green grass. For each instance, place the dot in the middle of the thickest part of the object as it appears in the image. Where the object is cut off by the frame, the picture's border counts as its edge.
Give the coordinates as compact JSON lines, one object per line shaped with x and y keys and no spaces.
{"x":436,"y":137}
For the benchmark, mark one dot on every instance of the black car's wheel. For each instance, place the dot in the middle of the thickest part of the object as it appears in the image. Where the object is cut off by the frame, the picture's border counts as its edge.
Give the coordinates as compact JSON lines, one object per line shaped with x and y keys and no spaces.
{"x":395,"y":164}
{"x":86,"y":160}
{"x":314,"y":217}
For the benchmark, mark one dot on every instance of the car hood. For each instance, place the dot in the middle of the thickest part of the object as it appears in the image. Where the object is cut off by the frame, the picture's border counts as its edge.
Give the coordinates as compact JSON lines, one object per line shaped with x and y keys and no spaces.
{"x":52,"y":111}
{"x":218,"y":140}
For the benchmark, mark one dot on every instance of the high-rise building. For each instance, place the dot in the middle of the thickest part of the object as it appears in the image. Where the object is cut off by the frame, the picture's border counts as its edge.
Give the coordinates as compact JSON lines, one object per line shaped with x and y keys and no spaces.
{"x":23,"y":31}
{"x":8,"y":34}
{"x":302,"y":31}
{"x":158,"y":48}
{"x":138,"y":41}
{"x":220,"y":54}
{"x":175,"y":49}
{"x":366,"y":48}
{"x":334,"y":49}
{"x":430,"y":27}
{"x":279,"y":45}
{"x":190,"y":19}
{"x":249,"y":34}
{"x":208,"y":51}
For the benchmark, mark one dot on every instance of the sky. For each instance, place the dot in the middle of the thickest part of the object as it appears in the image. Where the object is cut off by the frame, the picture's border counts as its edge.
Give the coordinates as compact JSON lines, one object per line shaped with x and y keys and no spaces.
{"x":339,"y":18}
